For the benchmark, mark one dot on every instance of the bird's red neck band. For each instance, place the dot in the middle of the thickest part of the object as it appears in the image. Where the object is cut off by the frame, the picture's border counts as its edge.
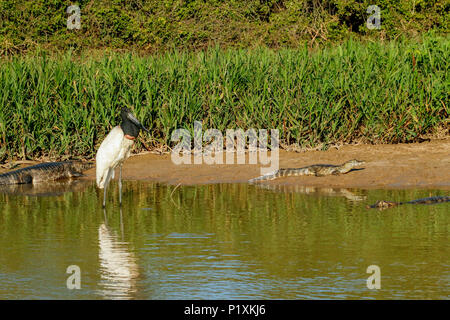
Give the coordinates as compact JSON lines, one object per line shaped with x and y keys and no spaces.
{"x":129,"y":137}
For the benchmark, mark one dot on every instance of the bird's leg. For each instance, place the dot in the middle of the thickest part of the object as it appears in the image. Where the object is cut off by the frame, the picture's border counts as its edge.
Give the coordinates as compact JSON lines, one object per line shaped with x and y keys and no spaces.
{"x":120,"y":184}
{"x":104,"y":197}
{"x":108,"y":178}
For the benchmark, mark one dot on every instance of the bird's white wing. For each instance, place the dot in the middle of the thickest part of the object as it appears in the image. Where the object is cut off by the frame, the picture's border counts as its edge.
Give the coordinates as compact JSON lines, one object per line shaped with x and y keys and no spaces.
{"x":107,"y":154}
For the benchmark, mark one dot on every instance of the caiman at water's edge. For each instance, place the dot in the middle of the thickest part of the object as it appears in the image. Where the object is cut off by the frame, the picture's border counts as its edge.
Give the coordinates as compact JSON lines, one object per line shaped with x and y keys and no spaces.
{"x":48,"y":171}
{"x":382,"y":204}
{"x":317,"y":170}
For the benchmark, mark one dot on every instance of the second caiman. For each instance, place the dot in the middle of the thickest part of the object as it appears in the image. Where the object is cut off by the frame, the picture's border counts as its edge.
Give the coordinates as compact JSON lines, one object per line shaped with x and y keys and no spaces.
{"x":382,"y":204}
{"x":48,"y":171}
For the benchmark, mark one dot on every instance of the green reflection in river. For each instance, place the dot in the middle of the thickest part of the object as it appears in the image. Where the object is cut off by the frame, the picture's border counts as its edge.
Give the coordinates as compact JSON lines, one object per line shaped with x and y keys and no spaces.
{"x":231,"y":241}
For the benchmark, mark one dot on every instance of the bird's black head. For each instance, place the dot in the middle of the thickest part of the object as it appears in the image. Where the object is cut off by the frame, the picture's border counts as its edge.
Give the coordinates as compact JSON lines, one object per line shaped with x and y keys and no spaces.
{"x":130,"y":125}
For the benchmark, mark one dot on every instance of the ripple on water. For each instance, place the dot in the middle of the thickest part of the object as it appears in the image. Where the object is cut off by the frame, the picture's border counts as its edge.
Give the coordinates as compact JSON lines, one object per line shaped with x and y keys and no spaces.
{"x":221,"y":242}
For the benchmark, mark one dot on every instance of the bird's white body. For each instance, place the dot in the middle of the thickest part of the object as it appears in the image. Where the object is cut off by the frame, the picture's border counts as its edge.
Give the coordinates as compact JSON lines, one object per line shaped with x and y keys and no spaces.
{"x":113,"y":151}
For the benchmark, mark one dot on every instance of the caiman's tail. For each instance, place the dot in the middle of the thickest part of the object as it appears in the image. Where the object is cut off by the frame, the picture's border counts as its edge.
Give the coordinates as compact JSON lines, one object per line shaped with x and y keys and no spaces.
{"x":269,"y":176}
{"x":281,"y":173}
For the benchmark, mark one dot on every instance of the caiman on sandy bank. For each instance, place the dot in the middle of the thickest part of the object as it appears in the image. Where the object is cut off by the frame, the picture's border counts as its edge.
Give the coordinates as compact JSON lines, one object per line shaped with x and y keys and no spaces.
{"x":318,"y":170}
{"x":382,"y":204}
{"x":48,"y":171}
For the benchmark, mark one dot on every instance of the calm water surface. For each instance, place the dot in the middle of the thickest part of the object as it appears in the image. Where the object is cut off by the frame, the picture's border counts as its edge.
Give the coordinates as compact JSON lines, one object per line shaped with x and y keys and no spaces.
{"x":234,"y":241}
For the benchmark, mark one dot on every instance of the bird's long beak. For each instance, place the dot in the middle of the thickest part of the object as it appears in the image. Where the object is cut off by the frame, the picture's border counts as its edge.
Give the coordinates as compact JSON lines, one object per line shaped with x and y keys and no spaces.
{"x":136,"y":121}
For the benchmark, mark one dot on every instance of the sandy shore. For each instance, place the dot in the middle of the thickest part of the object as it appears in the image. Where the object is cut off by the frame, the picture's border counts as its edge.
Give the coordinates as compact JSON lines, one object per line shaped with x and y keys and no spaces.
{"x":416,"y":165}
{"x":421,"y":165}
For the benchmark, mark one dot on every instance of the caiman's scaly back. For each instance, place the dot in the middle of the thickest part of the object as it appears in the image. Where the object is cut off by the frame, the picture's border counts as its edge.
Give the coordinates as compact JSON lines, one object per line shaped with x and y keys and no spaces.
{"x":45,"y":172}
{"x":317,"y":170}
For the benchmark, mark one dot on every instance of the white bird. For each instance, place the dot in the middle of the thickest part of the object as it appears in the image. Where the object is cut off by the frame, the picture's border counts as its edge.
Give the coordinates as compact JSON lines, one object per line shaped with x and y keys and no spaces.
{"x":115,"y":149}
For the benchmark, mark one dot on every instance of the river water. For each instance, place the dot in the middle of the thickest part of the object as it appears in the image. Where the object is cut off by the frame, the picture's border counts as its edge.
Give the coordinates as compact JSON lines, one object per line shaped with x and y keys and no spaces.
{"x":222,"y":241}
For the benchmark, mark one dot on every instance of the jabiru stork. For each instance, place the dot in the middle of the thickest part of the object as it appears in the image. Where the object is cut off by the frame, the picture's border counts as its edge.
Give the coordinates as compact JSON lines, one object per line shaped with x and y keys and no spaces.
{"x":115,"y":149}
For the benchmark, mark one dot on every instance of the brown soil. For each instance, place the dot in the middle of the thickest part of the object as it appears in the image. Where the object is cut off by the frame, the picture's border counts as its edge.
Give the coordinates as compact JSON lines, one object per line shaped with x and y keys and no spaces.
{"x":422,"y":165}
{"x":415,"y":165}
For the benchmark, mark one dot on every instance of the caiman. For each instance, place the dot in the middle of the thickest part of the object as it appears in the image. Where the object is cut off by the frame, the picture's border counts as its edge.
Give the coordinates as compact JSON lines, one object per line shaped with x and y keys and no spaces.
{"x":318,"y":170}
{"x":48,"y":171}
{"x":382,"y":204}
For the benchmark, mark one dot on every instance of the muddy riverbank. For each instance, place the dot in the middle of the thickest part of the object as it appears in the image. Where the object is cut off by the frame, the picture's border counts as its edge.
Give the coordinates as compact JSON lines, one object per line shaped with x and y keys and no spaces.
{"x":421,"y":165}
{"x":415,"y":165}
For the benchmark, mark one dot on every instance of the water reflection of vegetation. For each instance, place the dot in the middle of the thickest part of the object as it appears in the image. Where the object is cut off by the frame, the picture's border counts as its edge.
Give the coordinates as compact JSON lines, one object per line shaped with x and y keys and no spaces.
{"x":281,"y":235}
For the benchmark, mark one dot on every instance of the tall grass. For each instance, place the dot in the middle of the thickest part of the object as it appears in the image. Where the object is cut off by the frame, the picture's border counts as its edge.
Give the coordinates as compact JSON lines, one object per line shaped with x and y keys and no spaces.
{"x":63,"y":106}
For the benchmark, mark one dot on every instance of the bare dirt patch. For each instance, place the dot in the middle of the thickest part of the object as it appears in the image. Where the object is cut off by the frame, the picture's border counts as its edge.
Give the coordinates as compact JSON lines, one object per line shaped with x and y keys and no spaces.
{"x":421,"y":165}
{"x":414,"y":165}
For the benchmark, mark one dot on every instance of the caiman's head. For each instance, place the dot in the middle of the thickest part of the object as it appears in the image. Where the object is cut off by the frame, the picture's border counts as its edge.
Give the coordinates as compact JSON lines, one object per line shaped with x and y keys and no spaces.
{"x":382,"y":204}
{"x":79,"y":166}
{"x":354,"y":163}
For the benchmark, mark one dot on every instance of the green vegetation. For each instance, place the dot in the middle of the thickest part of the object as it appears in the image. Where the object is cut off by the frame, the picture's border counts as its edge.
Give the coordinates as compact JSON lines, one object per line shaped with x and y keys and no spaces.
{"x":62,"y":106}
{"x":310,"y":68}
{"x":156,"y":25}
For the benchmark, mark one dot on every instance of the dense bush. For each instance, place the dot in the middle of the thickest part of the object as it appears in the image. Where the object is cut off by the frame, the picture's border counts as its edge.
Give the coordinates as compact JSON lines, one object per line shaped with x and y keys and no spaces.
{"x":154,"y":25}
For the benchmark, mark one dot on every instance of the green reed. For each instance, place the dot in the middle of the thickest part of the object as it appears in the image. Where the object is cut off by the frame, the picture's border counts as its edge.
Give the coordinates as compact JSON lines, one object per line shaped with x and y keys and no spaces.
{"x":63,"y":106}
